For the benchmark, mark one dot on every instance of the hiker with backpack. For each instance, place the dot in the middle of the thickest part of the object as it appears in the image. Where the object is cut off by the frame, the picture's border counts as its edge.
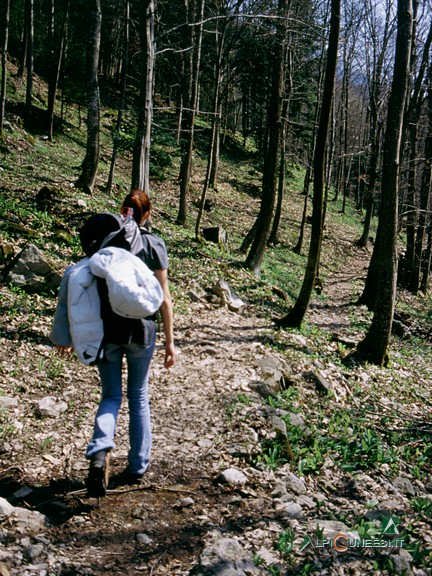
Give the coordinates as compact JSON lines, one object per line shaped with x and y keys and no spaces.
{"x":108,"y":241}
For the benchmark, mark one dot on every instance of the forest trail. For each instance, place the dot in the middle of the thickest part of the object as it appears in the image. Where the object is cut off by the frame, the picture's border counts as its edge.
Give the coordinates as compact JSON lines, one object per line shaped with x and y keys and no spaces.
{"x":206,"y":418}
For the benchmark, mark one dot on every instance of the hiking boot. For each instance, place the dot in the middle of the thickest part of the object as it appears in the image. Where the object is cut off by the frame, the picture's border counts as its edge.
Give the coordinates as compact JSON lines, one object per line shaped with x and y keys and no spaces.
{"x":98,"y":476}
{"x":129,"y":478}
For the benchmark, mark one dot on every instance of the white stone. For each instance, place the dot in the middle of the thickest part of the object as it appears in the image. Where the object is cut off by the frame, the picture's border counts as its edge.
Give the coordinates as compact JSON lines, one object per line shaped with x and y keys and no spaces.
{"x":233,"y":476}
{"x":144,"y":538}
{"x":6,"y":509}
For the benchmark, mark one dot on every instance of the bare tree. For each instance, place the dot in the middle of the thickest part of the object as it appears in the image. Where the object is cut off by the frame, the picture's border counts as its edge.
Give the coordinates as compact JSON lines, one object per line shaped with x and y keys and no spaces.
{"x":374,"y":346}
{"x":141,"y":153}
{"x":213,"y":155}
{"x":4,"y":52}
{"x":188,"y":127}
{"x":56,"y":56}
{"x":87,"y":178}
{"x":376,"y":53}
{"x":122,"y":95}
{"x":426,"y":185}
{"x":29,"y":18}
{"x":269,"y":187}
{"x":295,"y":316}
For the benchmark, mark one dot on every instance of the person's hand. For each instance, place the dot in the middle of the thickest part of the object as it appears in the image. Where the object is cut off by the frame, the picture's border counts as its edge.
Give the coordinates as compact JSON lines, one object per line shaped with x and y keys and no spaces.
{"x":64,"y":350}
{"x":170,"y":355}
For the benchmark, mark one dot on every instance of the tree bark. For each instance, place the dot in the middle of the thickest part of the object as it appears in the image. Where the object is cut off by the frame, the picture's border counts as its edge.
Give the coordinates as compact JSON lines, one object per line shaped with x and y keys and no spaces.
{"x":374,"y":346}
{"x":375,"y":63}
{"x":141,"y":153}
{"x":87,"y":178}
{"x":121,"y":106}
{"x":264,"y":220}
{"x":213,"y":155}
{"x":29,"y":61}
{"x":295,"y":316}
{"x":4,"y":53}
{"x":55,"y":67}
{"x":189,"y":118}
{"x":273,"y":238}
{"x":426,"y":190}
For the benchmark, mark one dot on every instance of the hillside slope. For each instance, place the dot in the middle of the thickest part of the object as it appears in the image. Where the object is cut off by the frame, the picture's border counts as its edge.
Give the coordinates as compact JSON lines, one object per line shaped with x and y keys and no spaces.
{"x":326,"y":446}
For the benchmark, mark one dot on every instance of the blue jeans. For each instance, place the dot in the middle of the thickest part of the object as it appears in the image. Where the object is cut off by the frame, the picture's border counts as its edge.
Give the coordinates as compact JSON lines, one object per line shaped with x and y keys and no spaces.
{"x":138,"y":359}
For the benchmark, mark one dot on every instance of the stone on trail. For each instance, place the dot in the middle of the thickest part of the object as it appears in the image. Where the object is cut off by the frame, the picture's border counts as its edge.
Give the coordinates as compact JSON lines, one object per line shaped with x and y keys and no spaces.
{"x":226,"y":294}
{"x":233,"y":477}
{"x":31,"y":270}
{"x":226,"y":557}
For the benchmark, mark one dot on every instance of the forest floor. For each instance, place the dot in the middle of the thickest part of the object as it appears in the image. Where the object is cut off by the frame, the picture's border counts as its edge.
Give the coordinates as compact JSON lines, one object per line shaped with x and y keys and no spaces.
{"x":203,"y":410}
{"x":325,"y":445}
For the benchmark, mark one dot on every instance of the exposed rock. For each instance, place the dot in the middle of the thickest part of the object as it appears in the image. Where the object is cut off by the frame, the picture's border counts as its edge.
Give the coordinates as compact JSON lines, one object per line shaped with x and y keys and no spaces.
{"x":402,"y":561}
{"x":279,"y":490}
{"x":289,"y":510}
{"x":185,"y":502}
{"x":232,"y":476}
{"x":28,"y":521}
{"x":6,"y":509}
{"x":226,"y":557}
{"x":6,"y":250}
{"x":48,"y":406}
{"x":31,"y":270}
{"x":278,"y":424}
{"x":294,"y":484}
{"x":23,"y":521}
{"x":321,"y":384}
{"x":307,"y":502}
{"x":263,"y":389}
{"x":226,"y":294}
{"x":298,"y":420}
{"x":275,"y":372}
{"x":35,"y":550}
{"x":7,"y":401}
{"x":196,"y":293}
{"x":404,"y":485}
{"x":144,"y":538}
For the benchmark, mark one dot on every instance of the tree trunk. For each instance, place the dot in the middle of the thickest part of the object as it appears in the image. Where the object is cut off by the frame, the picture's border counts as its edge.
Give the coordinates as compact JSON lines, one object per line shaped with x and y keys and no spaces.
{"x":87,"y":178}
{"x":375,"y":61}
{"x":189,"y":117}
{"x":416,"y":204}
{"x":426,"y":189}
{"x":295,"y":316}
{"x":273,"y":238}
{"x":120,"y":110}
{"x":55,"y":67}
{"x":4,"y":52}
{"x":29,"y":61}
{"x":141,"y":153}
{"x":375,"y":344}
{"x":264,"y":220}
{"x":214,"y":138}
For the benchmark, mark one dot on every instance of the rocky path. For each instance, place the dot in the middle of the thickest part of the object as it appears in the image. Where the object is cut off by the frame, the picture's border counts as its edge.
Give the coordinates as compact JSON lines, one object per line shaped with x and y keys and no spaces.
{"x":207,"y":507}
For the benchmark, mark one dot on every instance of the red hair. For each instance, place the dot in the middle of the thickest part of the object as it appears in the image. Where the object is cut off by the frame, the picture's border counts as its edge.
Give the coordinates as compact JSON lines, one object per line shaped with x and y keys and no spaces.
{"x":139,"y":202}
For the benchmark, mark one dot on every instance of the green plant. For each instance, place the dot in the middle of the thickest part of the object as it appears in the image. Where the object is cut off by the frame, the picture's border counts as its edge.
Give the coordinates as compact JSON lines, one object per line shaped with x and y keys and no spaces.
{"x":368,"y":529}
{"x":55,"y":368}
{"x":422,"y":505}
{"x":285,"y":542}
{"x":6,"y":426}
{"x":45,"y":443}
{"x":308,"y":569}
{"x":257,"y":560}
